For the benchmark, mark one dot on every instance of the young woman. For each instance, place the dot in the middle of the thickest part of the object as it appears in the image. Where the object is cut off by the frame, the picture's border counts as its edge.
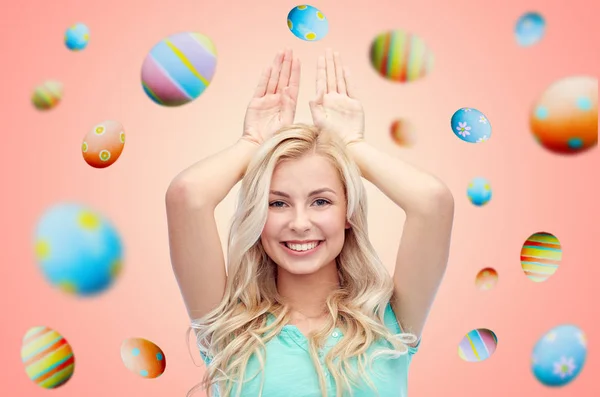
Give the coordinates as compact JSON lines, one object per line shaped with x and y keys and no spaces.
{"x":306,"y":307}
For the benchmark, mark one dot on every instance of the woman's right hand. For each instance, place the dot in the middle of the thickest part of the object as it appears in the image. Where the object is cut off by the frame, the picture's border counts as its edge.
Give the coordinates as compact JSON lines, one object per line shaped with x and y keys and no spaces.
{"x":274,"y":102}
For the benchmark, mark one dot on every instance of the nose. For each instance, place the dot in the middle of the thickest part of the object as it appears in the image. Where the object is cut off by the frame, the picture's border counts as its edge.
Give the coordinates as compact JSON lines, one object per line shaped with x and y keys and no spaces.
{"x":300,"y":221}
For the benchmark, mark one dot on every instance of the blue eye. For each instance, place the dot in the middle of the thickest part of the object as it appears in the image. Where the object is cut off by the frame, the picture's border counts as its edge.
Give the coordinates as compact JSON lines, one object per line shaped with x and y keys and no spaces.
{"x":273,"y":203}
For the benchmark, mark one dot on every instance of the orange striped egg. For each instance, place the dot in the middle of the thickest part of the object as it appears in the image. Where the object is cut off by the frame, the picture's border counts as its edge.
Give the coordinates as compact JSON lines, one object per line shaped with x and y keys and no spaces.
{"x":47,"y":95}
{"x":143,"y":357}
{"x":540,"y":256}
{"x":103,"y":144}
{"x":48,"y":357}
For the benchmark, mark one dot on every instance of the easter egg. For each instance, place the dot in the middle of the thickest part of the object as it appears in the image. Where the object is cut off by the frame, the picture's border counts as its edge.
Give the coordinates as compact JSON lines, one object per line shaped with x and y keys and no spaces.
{"x":48,"y":358}
{"x":77,"y":249}
{"x":479,"y":191}
{"x":179,"y":68}
{"x":471,"y":125}
{"x":103,"y":144}
{"x":486,"y":279}
{"x":559,"y":355}
{"x":530,"y":29}
{"x":402,"y":132}
{"x":564,"y":119}
{"x":477,"y":345}
{"x":540,"y":256}
{"x":400,"y":56}
{"x":143,"y":357}
{"x":307,"y":23}
{"x":77,"y":37}
{"x":47,"y":95}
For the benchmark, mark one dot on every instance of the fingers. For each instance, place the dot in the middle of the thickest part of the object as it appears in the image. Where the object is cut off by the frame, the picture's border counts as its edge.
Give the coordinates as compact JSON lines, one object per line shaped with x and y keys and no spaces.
{"x":294,"y":81}
{"x":284,"y":76}
{"x":261,"y":88}
{"x":350,"y":89}
{"x":330,"y":68}
{"x":339,"y":73}
{"x":321,"y":76}
{"x":275,"y":70}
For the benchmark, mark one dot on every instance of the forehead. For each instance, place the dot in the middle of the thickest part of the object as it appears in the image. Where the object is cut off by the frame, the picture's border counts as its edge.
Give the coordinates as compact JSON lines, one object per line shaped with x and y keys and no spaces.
{"x":306,"y":173}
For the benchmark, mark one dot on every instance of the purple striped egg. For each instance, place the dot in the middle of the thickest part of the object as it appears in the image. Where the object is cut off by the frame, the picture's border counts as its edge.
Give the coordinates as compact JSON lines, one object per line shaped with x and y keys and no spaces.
{"x":179,"y":68}
{"x":478,"y":345}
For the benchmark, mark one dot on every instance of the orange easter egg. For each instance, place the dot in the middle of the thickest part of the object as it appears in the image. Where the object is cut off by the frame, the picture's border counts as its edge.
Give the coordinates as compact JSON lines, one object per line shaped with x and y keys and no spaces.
{"x":103,"y":144}
{"x":143,"y":357}
{"x":402,"y":132}
{"x":486,"y":279}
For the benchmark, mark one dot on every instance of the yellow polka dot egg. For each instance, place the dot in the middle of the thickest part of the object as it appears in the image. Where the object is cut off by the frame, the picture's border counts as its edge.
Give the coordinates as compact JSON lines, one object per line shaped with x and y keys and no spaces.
{"x":47,"y":356}
{"x":78,"y":250}
{"x":103,"y":144}
{"x":307,"y":23}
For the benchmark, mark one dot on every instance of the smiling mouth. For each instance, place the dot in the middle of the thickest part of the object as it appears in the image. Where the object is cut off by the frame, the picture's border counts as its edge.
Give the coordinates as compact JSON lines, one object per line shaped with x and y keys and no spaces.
{"x":298,"y":251}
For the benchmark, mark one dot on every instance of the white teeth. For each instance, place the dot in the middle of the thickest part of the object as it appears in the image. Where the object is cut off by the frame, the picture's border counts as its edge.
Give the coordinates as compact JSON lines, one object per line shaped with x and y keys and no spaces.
{"x":302,"y":247}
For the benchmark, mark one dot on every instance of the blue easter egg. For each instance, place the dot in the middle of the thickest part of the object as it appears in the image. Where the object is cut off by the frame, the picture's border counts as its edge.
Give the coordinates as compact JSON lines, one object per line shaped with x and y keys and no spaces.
{"x":479,"y":191}
{"x":559,"y":356}
{"x":530,"y":29}
{"x":307,"y":23}
{"x":471,"y":125}
{"x":77,"y":37}
{"x":77,"y":249}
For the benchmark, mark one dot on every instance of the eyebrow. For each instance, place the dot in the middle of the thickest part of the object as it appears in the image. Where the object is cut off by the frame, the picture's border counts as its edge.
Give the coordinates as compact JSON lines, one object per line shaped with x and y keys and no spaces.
{"x":314,"y":192}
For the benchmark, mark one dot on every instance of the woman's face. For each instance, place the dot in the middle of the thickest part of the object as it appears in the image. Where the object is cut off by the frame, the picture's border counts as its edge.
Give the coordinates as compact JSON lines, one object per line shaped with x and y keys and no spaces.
{"x":307,"y":205}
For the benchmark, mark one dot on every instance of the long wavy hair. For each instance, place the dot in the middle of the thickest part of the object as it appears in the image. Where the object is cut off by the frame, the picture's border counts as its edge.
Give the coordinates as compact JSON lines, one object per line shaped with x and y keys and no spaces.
{"x":237,"y":328}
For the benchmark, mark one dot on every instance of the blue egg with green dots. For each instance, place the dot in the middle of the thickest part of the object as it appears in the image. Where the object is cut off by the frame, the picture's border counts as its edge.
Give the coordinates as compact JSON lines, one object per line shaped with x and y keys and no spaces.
{"x":307,"y":23}
{"x":77,"y":37}
{"x":479,"y":191}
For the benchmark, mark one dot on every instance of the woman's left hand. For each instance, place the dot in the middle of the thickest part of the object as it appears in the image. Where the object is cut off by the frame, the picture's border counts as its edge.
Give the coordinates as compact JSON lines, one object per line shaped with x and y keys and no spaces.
{"x":335,"y":107}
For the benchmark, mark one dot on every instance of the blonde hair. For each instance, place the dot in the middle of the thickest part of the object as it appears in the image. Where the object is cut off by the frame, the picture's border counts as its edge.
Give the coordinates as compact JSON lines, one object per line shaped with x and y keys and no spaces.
{"x":237,"y":327}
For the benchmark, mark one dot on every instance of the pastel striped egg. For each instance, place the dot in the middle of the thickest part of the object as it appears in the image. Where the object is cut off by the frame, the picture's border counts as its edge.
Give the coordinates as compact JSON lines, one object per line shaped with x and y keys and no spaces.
{"x":143,"y":357}
{"x":179,"y":68}
{"x":47,"y":95}
{"x":540,"y":256}
{"x":400,"y":56}
{"x":478,"y":345}
{"x":48,"y":358}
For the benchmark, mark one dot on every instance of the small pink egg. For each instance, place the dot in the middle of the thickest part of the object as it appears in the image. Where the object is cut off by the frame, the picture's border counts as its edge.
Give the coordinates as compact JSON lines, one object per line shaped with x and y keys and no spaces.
{"x":143,"y":357}
{"x":103,"y":144}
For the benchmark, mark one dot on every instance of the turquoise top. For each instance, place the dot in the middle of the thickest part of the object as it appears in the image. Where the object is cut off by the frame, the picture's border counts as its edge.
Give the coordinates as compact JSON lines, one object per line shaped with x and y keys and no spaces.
{"x":289,"y":370}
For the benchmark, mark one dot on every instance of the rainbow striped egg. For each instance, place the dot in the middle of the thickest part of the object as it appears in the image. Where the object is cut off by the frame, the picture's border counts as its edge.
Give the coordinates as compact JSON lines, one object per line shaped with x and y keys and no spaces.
{"x":47,"y":95}
{"x":48,"y":357}
{"x":540,"y":256}
{"x":179,"y":68}
{"x":478,"y":345}
{"x":400,"y":56}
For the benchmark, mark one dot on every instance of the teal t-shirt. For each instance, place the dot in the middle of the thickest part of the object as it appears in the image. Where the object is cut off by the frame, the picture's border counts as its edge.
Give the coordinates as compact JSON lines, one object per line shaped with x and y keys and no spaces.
{"x":289,"y":371}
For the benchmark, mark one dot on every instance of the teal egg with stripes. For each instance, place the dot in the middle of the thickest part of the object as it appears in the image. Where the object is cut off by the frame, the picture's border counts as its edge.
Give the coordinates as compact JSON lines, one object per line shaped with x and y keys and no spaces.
{"x":179,"y":68}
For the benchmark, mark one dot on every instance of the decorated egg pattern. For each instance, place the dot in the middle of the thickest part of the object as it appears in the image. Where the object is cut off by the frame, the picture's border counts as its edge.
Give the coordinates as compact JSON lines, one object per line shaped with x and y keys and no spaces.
{"x":471,"y":125}
{"x":77,"y":37}
{"x":530,"y":29}
{"x":47,"y":95}
{"x":77,"y":249}
{"x":307,"y":23}
{"x":540,"y":256}
{"x":486,"y":279}
{"x":402,"y":132}
{"x":479,"y":191}
{"x":48,"y":357}
{"x":103,"y":144}
{"x":564,"y":119}
{"x":477,"y":345}
{"x":143,"y":357}
{"x":559,"y":356}
{"x":400,"y":56}
{"x":179,"y":68}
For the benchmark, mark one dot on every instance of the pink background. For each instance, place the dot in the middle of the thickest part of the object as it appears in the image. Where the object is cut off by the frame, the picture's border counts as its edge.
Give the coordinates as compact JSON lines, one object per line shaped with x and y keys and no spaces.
{"x":477,"y":64}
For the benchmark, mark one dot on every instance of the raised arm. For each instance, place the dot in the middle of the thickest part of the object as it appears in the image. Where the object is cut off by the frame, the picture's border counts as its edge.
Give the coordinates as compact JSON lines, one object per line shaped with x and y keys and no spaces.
{"x":195,"y":247}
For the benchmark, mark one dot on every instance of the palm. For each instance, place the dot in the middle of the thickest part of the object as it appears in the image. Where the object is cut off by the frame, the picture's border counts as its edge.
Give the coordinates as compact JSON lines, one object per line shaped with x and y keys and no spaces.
{"x":267,"y":114}
{"x":335,"y":111}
